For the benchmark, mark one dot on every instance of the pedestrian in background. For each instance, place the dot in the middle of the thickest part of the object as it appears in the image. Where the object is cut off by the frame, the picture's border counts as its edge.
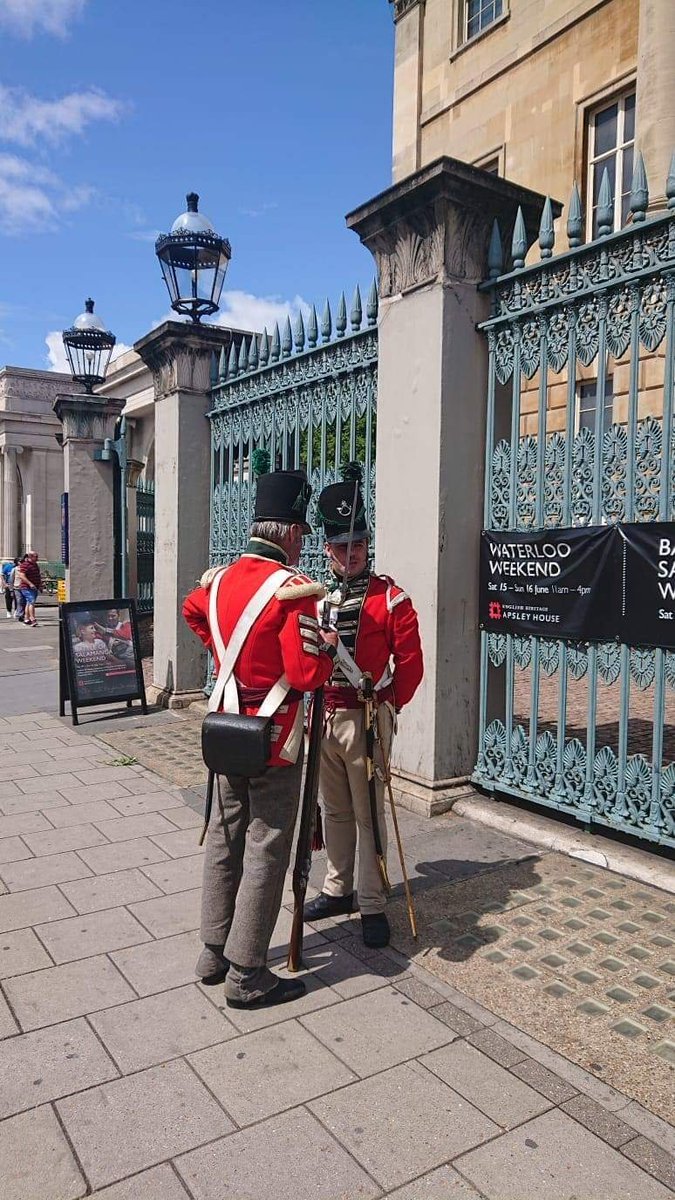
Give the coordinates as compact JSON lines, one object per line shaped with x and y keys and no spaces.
{"x":30,"y":585}
{"x":7,"y":572}
{"x":19,"y":602}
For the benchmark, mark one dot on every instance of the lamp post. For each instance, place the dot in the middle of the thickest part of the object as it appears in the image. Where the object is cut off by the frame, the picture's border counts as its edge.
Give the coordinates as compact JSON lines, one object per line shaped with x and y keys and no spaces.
{"x":118,"y":447}
{"x":88,"y":345}
{"x":194,"y":259}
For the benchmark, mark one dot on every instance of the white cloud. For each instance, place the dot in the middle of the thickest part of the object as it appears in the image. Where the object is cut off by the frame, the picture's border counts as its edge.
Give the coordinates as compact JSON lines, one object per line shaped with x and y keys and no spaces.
{"x":32,"y":198}
{"x":26,"y":119}
{"x":57,"y":359}
{"x":243,"y":310}
{"x":28,"y":17}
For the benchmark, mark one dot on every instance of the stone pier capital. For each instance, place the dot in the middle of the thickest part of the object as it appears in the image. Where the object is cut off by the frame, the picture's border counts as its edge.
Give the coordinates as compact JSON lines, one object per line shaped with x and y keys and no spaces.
{"x":87,"y":418}
{"x":179,"y":355}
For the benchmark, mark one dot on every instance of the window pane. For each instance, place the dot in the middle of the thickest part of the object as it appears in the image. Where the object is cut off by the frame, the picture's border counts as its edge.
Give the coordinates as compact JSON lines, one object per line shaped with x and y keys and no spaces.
{"x":605,"y":129}
{"x":499,"y":6}
{"x":629,"y":119}
{"x":608,"y":165}
{"x":627,"y":172}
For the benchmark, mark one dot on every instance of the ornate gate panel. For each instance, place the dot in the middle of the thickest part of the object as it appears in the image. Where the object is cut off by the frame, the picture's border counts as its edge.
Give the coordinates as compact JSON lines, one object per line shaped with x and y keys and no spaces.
{"x":310,"y":404}
{"x":580,"y":432}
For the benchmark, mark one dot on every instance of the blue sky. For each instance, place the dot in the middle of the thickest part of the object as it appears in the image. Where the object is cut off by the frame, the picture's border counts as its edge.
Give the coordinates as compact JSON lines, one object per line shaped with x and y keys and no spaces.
{"x":277,"y":113}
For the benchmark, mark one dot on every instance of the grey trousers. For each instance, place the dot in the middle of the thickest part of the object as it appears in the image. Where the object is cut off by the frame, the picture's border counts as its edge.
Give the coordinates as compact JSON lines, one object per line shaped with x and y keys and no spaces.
{"x":247,"y":852}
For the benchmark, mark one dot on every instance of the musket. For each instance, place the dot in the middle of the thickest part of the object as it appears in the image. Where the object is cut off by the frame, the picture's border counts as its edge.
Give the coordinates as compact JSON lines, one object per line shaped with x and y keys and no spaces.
{"x":386,"y":759}
{"x":366,"y":694}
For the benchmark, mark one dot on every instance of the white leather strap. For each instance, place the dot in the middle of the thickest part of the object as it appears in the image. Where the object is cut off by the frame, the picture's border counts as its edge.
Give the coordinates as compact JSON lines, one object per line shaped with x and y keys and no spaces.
{"x":354,"y":673}
{"x":225,"y":689}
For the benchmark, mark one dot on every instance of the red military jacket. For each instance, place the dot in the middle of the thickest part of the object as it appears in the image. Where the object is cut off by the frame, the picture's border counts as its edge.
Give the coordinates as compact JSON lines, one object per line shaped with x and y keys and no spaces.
{"x":387,"y":634}
{"x":284,"y":639}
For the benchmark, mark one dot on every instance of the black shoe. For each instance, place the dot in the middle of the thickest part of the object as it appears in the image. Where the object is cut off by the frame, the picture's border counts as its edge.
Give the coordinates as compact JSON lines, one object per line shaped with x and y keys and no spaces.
{"x":284,"y":991}
{"x":375,"y":929}
{"x":212,"y":966}
{"x":323,"y":906}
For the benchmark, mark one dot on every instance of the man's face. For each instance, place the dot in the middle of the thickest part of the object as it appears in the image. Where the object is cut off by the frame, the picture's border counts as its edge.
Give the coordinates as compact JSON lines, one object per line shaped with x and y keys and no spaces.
{"x":336,"y":552}
{"x":113,"y":616}
{"x":88,"y":633}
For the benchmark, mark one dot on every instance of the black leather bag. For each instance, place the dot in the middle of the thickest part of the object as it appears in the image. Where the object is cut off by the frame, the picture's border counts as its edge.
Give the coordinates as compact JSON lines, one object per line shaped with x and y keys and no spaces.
{"x":234,"y":744}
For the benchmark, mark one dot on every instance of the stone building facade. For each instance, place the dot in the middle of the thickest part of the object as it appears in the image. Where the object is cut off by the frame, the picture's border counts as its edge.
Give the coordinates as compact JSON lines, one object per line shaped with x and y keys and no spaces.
{"x":544,"y":94}
{"x":31,"y":462}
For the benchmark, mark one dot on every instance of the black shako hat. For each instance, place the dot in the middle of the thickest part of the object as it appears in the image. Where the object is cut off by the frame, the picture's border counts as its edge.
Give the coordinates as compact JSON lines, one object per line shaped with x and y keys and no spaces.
{"x":283,"y":496}
{"x":334,"y":507}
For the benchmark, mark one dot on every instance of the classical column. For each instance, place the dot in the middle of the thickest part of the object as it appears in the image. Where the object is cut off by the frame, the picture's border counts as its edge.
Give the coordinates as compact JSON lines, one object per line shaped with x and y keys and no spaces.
{"x":429,"y":237}
{"x":11,"y":530}
{"x":87,"y":421}
{"x":408,"y":67}
{"x":179,"y":356}
{"x":655,"y":101}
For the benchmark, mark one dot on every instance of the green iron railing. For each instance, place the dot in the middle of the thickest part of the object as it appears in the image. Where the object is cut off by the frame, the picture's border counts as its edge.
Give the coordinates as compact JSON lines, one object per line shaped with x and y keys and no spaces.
{"x":145,"y":544}
{"x":310,"y":403}
{"x":586,"y":729}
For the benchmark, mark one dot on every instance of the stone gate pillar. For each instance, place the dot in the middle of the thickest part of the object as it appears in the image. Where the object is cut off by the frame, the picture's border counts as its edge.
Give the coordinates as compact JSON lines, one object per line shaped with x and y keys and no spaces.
{"x":179,"y":356}
{"x":429,"y":236}
{"x":87,"y":421}
{"x":11,"y":524}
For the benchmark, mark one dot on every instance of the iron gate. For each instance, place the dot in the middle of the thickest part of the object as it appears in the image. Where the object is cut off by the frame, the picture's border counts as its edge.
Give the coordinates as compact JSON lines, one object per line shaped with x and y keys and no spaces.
{"x":580,"y":431}
{"x":311,"y":404}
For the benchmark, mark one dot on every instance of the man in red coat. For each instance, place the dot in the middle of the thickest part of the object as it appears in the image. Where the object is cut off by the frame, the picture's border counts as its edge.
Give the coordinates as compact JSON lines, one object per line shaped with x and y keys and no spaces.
{"x":264,"y":600}
{"x":378,"y":634}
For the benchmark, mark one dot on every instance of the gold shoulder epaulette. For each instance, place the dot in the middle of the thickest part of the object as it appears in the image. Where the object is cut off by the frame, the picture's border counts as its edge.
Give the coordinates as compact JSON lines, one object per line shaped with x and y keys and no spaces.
{"x":299,"y":587}
{"x":209,"y":576}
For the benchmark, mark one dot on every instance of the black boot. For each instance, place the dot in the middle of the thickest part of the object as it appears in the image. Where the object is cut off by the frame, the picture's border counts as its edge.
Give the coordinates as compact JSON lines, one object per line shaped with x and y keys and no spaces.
{"x":323,"y":906}
{"x":212,"y":966}
{"x":375,"y":929}
{"x":282,"y":992}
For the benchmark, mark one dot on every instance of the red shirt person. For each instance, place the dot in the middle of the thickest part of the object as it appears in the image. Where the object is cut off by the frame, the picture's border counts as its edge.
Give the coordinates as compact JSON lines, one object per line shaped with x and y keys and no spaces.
{"x":258,"y":617}
{"x":378,"y":635}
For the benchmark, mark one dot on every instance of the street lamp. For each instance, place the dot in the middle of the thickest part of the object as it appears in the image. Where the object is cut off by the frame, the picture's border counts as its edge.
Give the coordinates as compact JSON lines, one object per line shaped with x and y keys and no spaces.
{"x":88,"y":345}
{"x":194,"y":260}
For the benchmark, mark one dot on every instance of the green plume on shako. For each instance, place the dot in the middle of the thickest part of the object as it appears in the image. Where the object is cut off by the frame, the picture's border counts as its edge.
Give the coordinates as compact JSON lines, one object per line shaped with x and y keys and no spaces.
{"x":260,"y":462}
{"x":352,"y":472}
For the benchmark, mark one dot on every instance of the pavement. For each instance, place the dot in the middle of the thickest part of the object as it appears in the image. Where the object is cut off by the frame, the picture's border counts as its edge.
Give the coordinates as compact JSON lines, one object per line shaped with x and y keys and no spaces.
{"x":431,"y":1071}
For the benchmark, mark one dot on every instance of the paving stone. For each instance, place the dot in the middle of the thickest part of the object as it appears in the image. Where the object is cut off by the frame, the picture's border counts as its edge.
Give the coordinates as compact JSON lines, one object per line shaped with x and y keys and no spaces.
{"x":8,"y":1026}
{"x":250,"y":1163}
{"x":38,"y":1067}
{"x":39,"y":785}
{"x":375,"y":1031}
{"x":418,"y":991}
{"x":157,"y":966}
{"x":122,"y":855}
{"x":460,"y":1022}
{"x":123,"y":829}
{"x":175,"y":875}
{"x":607,"y":1125}
{"x":496,"y":1047}
{"x":581,"y":1080}
{"x":160,"y":1183}
{"x":20,"y":803}
{"x":652,"y":1158}
{"x":80,"y":813}
{"x":493,"y":1090}
{"x":442,"y":1184}
{"x":553,"y":1155}
{"x":93,"y":793}
{"x":402,"y":1123}
{"x":38,"y":872}
{"x":150,"y":802}
{"x":91,"y":933}
{"x":21,"y":951}
{"x":347,"y":975}
{"x":29,"y":908}
{"x":60,"y":993}
{"x":185,"y":818}
{"x":139,"y":1121}
{"x":282,"y":932}
{"x":178,"y":844}
{"x":651,"y":1126}
{"x":167,"y":915}
{"x":318,"y":996}
{"x":539,"y":1077}
{"x":29,"y":822}
{"x":36,"y":1162}
{"x":157,"y":1028}
{"x":106,"y":891}
{"x":105,"y":775}
{"x":265,"y":1072}
{"x":12,"y":849}
{"x":74,"y":837}
{"x":18,"y":769}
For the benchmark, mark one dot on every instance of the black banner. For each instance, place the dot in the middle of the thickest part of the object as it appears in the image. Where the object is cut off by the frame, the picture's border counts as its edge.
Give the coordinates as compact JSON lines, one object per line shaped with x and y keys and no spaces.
{"x":559,"y":583}
{"x":648,"y":583}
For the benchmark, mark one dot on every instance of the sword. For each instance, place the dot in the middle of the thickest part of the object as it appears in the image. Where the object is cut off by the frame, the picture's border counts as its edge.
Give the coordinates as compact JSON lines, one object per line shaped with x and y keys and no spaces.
{"x":366,"y":695}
